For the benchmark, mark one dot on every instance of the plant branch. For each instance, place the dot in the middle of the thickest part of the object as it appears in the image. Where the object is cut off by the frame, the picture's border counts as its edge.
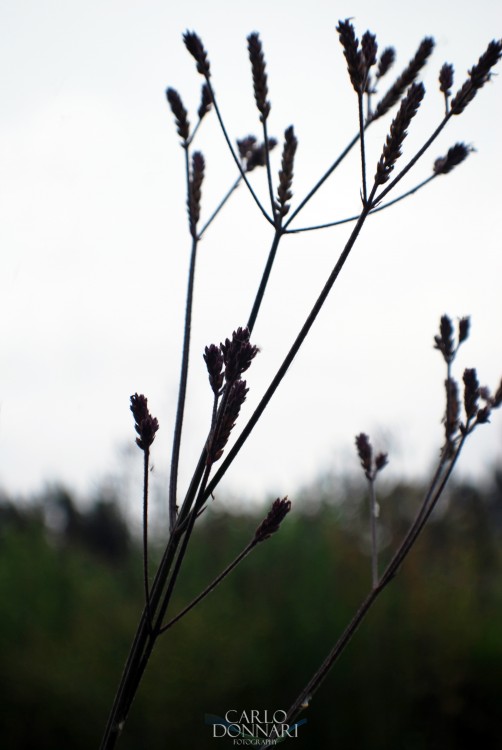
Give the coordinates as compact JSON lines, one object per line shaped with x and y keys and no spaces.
{"x":264,"y":280}
{"x":244,"y":553}
{"x":234,"y":155}
{"x":373,"y":210}
{"x":173,"y":480}
{"x":361,"y":139}
{"x":220,"y":206}
{"x":429,"y":502}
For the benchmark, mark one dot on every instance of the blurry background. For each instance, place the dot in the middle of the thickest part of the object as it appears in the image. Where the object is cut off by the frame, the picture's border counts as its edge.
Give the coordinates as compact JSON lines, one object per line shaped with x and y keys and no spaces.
{"x":422,"y":672}
{"x":94,"y":257}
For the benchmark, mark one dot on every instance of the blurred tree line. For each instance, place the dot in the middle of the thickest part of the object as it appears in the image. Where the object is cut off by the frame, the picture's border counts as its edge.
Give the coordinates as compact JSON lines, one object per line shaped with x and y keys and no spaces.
{"x":423,"y":671}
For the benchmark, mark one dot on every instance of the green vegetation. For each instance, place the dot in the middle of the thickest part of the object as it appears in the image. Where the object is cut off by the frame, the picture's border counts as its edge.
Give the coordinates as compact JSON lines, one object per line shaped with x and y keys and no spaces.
{"x":422,"y":672}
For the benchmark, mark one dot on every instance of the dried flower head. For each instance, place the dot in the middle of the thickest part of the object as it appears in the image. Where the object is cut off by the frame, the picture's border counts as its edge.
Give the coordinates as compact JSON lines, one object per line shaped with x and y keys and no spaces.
{"x":455,"y":156}
{"x":452,"y":412}
{"x":284,"y":193}
{"x":381,"y":461}
{"x":218,"y":440}
{"x":274,"y":518}
{"x":365,"y":452}
{"x":369,"y":50}
{"x":398,"y":132}
{"x":406,"y":78}
{"x":464,"y":325}
{"x":444,"y":341}
{"x":238,"y":354}
{"x":252,"y":154}
{"x":350,"y":44}
{"x":213,"y":358}
{"x":145,"y":425}
{"x":257,"y":59}
{"x":194,"y":45}
{"x":479,"y":74}
{"x":446,"y":78}
{"x":195,"y":191}
{"x":471,"y":392}
{"x":386,"y":61}
{"x":179,"y":112}
{"x":205,"y":101}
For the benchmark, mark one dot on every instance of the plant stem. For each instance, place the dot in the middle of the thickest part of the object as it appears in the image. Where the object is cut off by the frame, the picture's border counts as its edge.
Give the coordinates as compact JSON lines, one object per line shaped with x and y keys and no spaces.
{"x":373,"y":520}
{"x":173,"y":480}
{"x":417,"y":526}
{"x":220,"y":206}
{"x":264,"y":280}
{"x":361,"y":138}
{"x":252,"y":544}
{"x":356,"y":216}
{"x":146,"y":459}
{"x":234,"y":155}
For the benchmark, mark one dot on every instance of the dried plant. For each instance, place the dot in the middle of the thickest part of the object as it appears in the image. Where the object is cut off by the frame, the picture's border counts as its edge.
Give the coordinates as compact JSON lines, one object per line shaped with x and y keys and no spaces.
{"x":227,"y":362}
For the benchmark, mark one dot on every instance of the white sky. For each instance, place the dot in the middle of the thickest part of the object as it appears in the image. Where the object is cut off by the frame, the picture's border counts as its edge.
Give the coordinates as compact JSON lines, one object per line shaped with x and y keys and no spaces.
{"x":94,"y":247}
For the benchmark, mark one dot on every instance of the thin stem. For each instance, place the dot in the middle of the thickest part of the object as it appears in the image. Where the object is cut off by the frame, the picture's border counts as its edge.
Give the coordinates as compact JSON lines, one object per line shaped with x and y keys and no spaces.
{"x":323,"y":179}
{"x":373,"y":210}
{"x":414,"y":160}
{"x":234,"y":155}
{"x":264,"y":280}
{"x":269,"y":170}
{"x":373,"y":522}
{"x":220,"y":206}
{"x":211,"y":586}
{"x":146,"y":467}
{"x":173,"y":480}
{"x":391,"y":570}
{"x":361,"y":138}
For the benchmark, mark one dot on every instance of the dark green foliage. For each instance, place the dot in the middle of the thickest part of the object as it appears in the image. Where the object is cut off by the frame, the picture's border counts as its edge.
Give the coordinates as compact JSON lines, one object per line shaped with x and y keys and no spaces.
{"x":420,"y":673}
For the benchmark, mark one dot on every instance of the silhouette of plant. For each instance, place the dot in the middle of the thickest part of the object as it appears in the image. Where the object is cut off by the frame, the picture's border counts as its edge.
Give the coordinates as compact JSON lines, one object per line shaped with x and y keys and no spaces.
{"x":228,"y":361}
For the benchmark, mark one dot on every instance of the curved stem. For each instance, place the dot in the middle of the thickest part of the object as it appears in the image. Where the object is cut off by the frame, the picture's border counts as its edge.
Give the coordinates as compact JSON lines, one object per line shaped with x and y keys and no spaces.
{"x":356,"y":216}
{"x":234,"y":155}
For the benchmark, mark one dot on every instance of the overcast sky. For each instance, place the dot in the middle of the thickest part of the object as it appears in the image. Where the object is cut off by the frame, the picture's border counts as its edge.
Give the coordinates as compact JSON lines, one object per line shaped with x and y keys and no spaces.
{"x":94,"y":245}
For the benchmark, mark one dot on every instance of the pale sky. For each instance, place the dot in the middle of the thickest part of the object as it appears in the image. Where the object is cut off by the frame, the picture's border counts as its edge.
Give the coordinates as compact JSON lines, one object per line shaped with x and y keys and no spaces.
{"x":94,"y":246}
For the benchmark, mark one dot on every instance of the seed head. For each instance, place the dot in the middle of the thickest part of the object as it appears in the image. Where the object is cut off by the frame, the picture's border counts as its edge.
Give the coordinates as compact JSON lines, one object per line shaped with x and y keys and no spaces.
{"x":257,"y":59}
{"x":273,"y":519}
{"x":398,"y":132}
{"x":479,"y":74}
{"x":179,"y":112}
{"x":455,"y":156}
{"x":406,"y":78}
{"x":194,"y":45}
{"x":284,"y":193}
{"x":145,"y":425}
